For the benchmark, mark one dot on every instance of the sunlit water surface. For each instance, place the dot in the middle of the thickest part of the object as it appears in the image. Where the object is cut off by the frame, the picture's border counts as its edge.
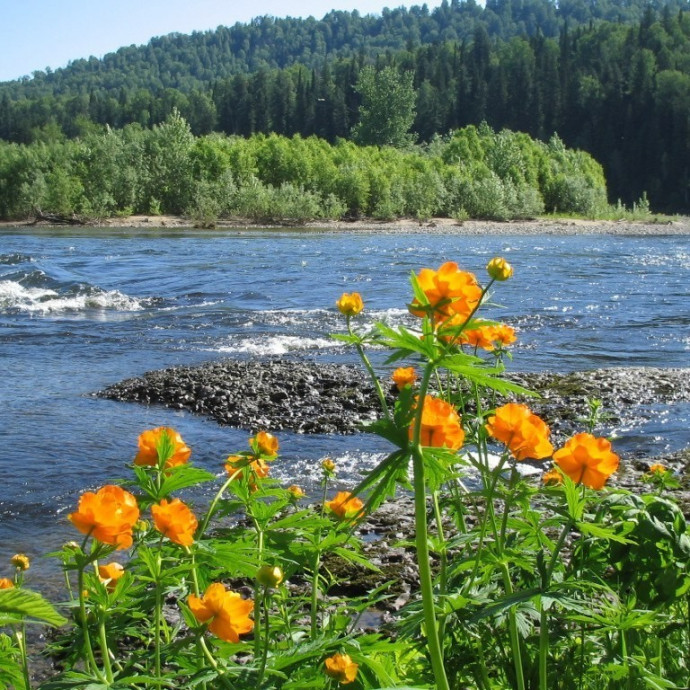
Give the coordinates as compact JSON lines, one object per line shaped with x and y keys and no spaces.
{"x":81,"y":309}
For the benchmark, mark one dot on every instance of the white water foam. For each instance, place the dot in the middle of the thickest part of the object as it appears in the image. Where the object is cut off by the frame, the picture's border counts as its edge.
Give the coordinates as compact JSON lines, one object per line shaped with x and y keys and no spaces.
{"x":13,"y":295}
{"x":278,"y":345}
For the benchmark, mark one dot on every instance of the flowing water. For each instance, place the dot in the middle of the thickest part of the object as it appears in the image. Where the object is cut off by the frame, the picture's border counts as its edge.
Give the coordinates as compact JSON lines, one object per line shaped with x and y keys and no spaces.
{"x":81,"y":309}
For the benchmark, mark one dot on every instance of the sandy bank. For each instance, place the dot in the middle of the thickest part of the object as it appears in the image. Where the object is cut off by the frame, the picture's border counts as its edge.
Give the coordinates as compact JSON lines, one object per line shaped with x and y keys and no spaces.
{"x":542,"y":226}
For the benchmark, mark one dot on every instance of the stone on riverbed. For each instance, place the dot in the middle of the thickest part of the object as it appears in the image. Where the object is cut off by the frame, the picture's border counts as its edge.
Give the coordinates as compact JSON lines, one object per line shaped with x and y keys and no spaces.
{"x":317,"y":397}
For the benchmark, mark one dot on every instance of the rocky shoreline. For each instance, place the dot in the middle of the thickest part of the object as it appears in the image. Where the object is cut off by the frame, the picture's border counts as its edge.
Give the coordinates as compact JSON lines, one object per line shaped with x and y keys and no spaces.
{"x":316,"y":397}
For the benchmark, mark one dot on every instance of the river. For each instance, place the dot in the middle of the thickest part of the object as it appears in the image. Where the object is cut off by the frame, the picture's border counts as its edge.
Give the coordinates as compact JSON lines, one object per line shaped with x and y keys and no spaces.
{"x":84,"y":308}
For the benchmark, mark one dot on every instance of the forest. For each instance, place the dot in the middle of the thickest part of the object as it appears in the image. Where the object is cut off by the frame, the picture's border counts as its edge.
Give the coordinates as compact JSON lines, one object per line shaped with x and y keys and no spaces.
{"x":609,"y":78}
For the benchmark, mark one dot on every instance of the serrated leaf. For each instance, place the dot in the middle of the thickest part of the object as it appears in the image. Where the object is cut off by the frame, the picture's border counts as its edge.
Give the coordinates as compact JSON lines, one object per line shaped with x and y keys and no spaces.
{"x":29,"y":605}
{"x":354,"y":557}
{"x":601,"y":532}
{"x":183,"y":476}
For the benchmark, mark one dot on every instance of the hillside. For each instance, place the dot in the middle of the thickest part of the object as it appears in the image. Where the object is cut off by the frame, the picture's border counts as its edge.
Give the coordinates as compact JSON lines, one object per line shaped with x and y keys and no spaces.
{"x":611,"y":78}
{"x":193,"y":61}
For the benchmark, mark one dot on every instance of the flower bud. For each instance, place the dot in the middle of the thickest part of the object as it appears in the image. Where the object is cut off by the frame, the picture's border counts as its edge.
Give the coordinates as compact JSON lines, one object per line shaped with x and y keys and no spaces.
{"x":20,"y":561}
{"x":350,"y":304}
{"x":404,"y":376}
{"x":265,"y":443}
{"x":328,"y":466}
{"x":499,"y":269}
{"x":269,"y":575}
{"x":657,"y":468}
{"x":296,"y":492}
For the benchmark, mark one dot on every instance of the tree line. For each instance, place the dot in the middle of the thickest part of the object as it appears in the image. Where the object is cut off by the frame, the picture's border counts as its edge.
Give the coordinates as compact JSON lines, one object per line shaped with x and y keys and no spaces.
{"x":473,"y":172}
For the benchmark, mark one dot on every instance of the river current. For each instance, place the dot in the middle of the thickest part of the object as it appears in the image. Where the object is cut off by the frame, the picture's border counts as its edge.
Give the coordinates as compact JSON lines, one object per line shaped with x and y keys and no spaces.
{"x":82,"y":309}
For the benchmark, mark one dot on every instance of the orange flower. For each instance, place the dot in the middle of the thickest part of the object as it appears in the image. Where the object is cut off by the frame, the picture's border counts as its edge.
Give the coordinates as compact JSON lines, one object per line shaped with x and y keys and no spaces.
{"x":255,"y":469}
{"x":553,"y":476}
{"x":150,"y":441}
{"x":441,"y":427}
{"x":587,"y":460}
{"x":483,"y":337}
{"x":20,"y":561}
{"x":296,"y":492}
{"x":227,"y":612}
{"x":449,"y":291}
{"x":350,"y":304}
{"x":341,"y":668}
{"x":6,"y":583}
{"x":344,"y":505}
{"x":499,"y":269}
{"x":265,"y":443}
{"x":504,"y":335}
{"x":404,"y":376}
{"x":657,"y":468}
{"x":109,"y":574}
{"x":175,"y":521}
{"x":107,"y":515}
{"x":525,"y":434}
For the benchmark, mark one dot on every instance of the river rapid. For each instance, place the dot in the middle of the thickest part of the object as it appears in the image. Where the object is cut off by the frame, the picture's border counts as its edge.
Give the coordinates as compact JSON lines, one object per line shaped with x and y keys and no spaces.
{"x":81,"y":309}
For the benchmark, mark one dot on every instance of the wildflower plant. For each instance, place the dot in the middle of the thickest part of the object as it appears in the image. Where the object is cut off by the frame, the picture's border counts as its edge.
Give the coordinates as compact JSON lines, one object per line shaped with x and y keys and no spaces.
{"x":556,"y":582}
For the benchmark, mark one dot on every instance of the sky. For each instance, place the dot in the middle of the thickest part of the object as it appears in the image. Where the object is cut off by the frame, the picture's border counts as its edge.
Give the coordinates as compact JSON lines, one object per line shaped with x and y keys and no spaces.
{"x":35,"y":34}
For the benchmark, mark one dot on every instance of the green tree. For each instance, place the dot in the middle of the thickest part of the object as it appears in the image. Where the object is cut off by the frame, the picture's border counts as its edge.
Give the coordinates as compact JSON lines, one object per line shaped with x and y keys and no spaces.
{"x":388,"y":107}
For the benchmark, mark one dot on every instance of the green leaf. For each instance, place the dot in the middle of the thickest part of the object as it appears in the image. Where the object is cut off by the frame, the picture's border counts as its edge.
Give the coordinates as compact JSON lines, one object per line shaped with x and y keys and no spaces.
{"x":601,"y":532}
{"x":183,"y":476}
{"x":485,"y":377}
{"x":353,"y":339}
{"x":354,"y":557}
{"x":30,"y":605}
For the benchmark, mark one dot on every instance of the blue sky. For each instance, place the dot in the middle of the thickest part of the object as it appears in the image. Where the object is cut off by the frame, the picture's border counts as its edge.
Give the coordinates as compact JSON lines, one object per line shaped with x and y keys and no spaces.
{"x":35,"y":34}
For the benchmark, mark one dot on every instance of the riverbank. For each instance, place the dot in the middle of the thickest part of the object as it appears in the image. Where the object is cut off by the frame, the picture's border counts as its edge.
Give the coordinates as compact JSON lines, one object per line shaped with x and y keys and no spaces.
{"x":539,"y":226}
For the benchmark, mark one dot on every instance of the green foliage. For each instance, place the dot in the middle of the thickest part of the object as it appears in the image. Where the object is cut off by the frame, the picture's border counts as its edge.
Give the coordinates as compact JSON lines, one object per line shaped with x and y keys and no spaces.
{"x":293,"y":180}
{"x":387,"y":110}
{"x":611,"y":78}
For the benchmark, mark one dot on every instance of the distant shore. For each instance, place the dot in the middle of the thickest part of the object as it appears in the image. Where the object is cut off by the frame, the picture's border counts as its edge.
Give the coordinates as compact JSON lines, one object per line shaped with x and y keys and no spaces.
{"x":540,"y":226}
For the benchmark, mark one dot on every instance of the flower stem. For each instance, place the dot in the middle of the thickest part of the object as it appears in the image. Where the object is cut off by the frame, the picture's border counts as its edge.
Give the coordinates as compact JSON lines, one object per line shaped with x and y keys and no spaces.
{"x":20,"y":635}
{"x":543,"y":617}
{"x":214,"y":502}
{"x":157,"y":624}
{"x":105,"y":652}
{"x":422,"y":541}
{"x":90,"y":659}
{"x":314,"y":609}
{"x":513,"y":632}
{"x":443,"y":574}
{"x":266,"y":602}
{"x":372,"y":373}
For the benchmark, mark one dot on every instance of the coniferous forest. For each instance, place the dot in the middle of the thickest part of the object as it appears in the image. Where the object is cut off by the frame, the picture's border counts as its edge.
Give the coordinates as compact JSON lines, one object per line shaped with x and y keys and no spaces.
{"x":610,"y":78}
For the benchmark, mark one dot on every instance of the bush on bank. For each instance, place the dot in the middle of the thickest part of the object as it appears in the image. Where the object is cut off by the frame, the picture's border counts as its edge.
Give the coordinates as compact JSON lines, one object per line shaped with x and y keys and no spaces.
{"x":473,"y":172}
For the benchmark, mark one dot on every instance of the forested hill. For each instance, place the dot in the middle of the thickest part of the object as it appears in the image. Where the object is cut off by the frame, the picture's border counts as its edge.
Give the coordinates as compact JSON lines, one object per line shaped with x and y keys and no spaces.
{"x":187,"y":62}
{"x":610,"y":77}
